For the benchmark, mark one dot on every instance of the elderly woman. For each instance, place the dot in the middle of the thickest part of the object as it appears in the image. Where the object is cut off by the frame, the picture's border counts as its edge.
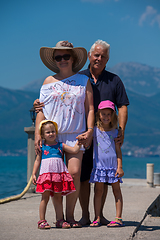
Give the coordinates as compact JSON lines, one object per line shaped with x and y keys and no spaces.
{"x":68,"y":100}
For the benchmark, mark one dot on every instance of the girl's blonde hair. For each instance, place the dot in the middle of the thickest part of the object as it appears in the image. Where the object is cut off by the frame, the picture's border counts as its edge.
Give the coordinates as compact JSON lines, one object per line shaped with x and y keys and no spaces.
{"x":113,"y":123}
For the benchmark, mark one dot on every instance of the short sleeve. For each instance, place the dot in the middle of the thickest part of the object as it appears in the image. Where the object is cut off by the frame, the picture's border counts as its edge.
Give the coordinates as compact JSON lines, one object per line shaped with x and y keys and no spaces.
{"x":121,"y":95}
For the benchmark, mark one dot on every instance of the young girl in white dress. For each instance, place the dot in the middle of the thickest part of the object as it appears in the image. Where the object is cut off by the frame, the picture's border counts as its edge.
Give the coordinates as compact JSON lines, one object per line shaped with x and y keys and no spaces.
{"x":107,"y":161}
{"x":54,"y":178}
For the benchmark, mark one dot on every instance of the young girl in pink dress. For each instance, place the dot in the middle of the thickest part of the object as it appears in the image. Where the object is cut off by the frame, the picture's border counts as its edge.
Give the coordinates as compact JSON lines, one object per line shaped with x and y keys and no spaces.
{"x":107,"y":161}
{"x":54,"y":178}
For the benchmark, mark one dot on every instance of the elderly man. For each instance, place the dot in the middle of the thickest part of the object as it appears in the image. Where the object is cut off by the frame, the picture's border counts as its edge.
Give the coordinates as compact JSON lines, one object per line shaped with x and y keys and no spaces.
{"x":106,"y":86}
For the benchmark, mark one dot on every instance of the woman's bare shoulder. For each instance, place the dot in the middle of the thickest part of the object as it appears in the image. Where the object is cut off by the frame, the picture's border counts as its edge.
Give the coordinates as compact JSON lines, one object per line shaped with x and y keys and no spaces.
{"x":49,"y":79}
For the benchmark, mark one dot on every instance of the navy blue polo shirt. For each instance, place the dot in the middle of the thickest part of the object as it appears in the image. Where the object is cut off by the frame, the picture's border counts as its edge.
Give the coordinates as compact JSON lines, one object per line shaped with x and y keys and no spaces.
{"x":108,"y":87}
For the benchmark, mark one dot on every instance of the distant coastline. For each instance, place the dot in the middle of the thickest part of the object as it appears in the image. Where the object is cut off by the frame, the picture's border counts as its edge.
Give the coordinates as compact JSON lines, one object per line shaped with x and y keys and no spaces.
{"x":14,"y":169}
{"x":136,"y":152}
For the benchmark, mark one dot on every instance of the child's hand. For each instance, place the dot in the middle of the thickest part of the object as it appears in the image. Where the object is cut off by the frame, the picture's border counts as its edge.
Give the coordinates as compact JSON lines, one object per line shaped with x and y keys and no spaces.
{"x":119,"y":172}
{"x":77,"y":147}
{"x":34,"y":179}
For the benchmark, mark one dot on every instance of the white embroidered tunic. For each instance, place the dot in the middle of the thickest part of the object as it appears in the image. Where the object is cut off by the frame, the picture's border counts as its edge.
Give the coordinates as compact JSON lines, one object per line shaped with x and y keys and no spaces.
{"x":64,"y":104}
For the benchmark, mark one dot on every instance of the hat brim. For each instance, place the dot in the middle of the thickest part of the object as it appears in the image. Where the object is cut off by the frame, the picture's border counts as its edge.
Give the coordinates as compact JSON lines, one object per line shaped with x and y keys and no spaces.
{"x":46,"y":54}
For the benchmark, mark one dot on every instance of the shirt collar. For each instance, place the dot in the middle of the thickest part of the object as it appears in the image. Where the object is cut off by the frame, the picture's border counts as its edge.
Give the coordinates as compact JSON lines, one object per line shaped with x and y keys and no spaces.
{"x":88,"y":73}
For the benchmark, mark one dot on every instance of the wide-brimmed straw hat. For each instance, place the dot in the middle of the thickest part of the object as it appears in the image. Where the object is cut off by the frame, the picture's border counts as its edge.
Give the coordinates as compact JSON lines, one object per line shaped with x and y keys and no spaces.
{"x":46,"y":54}
{"x":49,"y":121}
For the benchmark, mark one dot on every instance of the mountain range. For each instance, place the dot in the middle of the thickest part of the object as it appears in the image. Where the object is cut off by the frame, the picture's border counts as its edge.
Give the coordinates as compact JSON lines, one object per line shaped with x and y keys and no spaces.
{"x":142,"y":133}
{"x":138,"y":78}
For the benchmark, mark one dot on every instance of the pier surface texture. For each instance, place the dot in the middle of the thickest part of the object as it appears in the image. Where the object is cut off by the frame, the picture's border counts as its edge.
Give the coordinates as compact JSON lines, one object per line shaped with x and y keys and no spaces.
{"x":18,"y":219}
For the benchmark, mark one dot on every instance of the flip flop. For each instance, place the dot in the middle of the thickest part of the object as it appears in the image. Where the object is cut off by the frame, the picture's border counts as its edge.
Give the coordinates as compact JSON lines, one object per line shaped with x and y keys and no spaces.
{"x":96,"y":224}
{"x":117,"y":224}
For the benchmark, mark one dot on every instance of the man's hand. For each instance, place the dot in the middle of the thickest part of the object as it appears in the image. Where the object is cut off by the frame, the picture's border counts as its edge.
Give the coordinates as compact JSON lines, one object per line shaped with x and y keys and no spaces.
{"x":119,"y":139}
{"x":38,"y":106}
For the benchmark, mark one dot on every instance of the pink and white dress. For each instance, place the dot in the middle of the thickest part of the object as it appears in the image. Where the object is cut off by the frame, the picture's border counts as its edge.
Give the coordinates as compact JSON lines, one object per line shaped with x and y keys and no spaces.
{"x":54,"y":175}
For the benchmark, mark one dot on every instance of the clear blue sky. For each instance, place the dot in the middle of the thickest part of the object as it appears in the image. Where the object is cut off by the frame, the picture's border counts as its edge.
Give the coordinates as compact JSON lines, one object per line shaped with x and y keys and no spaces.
{"x":131,"y":27}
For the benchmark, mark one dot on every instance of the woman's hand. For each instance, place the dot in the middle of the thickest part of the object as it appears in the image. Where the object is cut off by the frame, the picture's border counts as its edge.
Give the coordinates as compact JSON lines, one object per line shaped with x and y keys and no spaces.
{"x":38,"y":106}
{"x":85,"y":138}
{"x":37,"y":143}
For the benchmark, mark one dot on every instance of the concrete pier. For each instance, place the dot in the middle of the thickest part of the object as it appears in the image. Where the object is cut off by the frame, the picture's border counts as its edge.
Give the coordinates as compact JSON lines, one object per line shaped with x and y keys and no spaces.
{"x":19,"y":218}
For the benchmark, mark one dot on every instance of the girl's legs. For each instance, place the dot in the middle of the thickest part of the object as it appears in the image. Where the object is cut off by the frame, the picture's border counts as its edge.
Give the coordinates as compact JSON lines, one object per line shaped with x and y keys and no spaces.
{"x":43,"y":204}
{"x":98,"y":193}
{"x":104,"y":221}
{"x":118,"y":201}
{"x":58,"y":206}
{"x":74,"y":168}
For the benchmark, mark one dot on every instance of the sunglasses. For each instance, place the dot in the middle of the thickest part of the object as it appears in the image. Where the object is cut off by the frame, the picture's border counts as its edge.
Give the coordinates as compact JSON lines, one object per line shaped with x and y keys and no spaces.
{"x":58,"y":58}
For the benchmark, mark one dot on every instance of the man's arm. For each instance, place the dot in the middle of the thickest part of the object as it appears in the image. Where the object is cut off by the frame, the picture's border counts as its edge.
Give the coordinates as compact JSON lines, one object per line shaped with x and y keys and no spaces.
{"x":122,"y":117}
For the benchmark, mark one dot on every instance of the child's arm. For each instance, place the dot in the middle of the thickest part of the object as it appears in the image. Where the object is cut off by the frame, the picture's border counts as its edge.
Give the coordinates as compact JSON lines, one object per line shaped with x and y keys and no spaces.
{"x":119,"y":171}
{"x":35,"y":168}
{"x":73,"y":150}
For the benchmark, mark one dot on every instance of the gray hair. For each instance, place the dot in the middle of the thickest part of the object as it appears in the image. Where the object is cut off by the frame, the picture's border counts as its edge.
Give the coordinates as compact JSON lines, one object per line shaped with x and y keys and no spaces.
{"x":104,"y":44}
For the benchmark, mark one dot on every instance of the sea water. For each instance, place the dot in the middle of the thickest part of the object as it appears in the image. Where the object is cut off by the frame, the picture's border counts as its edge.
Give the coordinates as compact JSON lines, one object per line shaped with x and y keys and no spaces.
{"x":13,"y":172}
{"x":13,"y":175}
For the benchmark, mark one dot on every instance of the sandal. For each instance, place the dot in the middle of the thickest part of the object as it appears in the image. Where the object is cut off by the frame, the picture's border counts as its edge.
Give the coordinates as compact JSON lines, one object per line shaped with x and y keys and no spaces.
{"x":43,"y":224}
{"x":75,"y":224}
{"x":116,"y":224}
{"x":95,"y":224}
{"x":62,"y":224}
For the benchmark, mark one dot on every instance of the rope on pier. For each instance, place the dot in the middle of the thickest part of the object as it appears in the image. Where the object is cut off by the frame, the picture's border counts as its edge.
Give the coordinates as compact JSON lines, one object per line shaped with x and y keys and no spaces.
{"x":9,"y":199}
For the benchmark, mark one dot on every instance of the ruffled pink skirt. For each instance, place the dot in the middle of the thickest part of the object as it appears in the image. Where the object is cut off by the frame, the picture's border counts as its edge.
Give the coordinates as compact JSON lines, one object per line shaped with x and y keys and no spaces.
{"x":54,"y":177}
{"x":51,"y":182}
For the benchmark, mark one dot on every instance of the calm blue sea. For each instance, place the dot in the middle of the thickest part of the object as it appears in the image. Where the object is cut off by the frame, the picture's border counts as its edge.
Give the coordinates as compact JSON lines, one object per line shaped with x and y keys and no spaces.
{"x":13,"y":172}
